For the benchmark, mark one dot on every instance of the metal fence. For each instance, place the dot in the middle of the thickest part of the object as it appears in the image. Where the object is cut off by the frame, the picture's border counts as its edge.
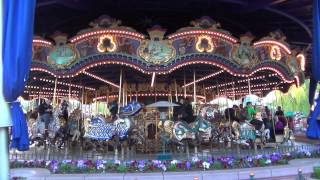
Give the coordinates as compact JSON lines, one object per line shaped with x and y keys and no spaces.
{"x":77,"y":153}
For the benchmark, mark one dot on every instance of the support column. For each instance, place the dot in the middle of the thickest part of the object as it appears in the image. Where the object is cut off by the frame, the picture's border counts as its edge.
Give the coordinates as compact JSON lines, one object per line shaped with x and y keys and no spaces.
{"x":69,"y":90}
{"x":130,"y":95}
{"x":194,"y":87}
{"x":176,"y":89}
{"x":249,"y":86}
{"x":55,"y":92}
{"x":96,"y":103}
{"x":82,"y":101}
{"x":184,"y":85}
{"x":120,"y":87}
{"x":4,"y":153}
{"x":204,"y":94}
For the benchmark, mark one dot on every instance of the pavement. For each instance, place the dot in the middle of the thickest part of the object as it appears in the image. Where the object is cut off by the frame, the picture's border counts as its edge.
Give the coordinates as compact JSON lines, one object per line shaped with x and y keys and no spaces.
{"x":283,"y":172}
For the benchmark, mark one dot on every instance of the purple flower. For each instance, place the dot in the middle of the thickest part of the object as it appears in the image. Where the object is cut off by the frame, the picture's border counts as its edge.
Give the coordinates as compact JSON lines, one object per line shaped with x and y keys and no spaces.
{"x":67,"y":161}
{"x":81,"y":164}
{"x":117,"y":162}
{"x":54,"y":166}
{"x":100,"y":164}
{"x":259,"y":156}
{"x":163,"y":167}
{"x":188,"y":165}
{"x":141,"y":165}
{"x":156,"y":163}
{"x":210,"y":160}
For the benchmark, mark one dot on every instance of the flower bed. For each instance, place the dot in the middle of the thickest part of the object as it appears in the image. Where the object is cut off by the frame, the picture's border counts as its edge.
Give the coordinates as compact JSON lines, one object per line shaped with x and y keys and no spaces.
{"x":103,"y":166}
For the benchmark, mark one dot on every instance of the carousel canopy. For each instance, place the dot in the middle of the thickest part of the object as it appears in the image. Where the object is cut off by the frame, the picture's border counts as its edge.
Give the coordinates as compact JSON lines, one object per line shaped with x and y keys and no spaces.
{"x":210,"y":50}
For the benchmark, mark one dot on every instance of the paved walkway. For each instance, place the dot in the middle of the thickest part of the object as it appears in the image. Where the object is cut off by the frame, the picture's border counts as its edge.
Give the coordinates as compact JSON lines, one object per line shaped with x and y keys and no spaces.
{"x":284,"y":172}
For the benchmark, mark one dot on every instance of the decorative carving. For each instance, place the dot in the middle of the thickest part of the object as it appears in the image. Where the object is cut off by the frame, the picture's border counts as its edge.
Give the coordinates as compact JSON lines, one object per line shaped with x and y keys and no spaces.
{"x":292,"y":62}
{"x":205,"y":44}
{"x":104,"y":22}
{"x":186,"y":45}
{"x":106,"y":43}
{"x":301,"y":59}
{"x":244,"y":54}
{"x":125,"y":46}
{"x":275,"y":53}
{"x":62,"y":55}
{"x":204,"y":22}
{"x":278,"y":35}
{"x":156,"y":50}
{"x":88,"y":47}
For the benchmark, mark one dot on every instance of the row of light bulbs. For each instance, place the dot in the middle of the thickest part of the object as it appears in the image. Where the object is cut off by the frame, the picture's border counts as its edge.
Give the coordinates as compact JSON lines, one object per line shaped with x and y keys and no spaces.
{"x":48,"y":93}
{"x":51,"y":89}
{"x":63,"y":83}
{"x":212,"y":33}
{"x":171,"y":70}
{"x":101,"y":79}
{"x":107,"y":31}
{"x":204,"y":78}
{"x":149,"y":95}
{"x":272,"y":42}
{"x":240,"y":81}
{"x":252,"y":90}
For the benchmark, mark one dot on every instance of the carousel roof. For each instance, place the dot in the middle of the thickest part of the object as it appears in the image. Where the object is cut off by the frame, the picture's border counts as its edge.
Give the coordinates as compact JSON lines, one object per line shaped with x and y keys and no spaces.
{"x":292,"y":17}
{"x":94,"y":48}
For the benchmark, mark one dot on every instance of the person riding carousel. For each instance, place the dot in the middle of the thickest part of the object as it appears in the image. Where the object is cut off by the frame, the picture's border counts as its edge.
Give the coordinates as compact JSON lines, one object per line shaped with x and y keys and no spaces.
{"x":253,"y":117}
{"x":45,"y":112}
{"x":64,"y":109}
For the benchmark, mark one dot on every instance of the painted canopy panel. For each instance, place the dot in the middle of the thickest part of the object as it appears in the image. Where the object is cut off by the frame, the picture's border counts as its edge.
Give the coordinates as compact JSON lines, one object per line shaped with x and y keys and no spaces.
{"x":107,"y":42}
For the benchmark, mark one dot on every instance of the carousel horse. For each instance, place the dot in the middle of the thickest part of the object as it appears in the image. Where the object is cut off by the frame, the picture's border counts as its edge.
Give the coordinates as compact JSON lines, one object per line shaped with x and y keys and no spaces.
{"x":50,"y":135}
{"x":199,"y":131}
{"x":73,"y":129}
{"x":220,"y":131}
{"x":203,"y":129}
{"x":245,"y":133}
{"x":98,"y":129}
{"x":288,"y":135}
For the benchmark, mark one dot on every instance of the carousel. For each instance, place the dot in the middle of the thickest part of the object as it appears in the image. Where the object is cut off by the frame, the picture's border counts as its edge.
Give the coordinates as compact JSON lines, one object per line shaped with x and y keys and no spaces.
{"x":124,"y":89}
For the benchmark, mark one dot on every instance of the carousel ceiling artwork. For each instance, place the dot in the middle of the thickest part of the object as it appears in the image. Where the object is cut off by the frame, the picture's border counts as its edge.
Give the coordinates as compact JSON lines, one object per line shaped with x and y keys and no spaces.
{"x":204,"y":43}
{"x":156,"y":50}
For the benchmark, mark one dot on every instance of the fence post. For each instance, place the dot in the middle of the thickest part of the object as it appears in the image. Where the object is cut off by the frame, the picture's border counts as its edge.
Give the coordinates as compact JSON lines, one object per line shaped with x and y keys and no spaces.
{"x":300,"y":176}
{"x":251,"y":175}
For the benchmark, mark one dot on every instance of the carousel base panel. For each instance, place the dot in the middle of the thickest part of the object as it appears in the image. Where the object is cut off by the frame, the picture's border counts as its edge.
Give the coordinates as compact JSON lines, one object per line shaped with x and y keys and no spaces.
{"x":78,"y":153}
{"x":284,"y":172}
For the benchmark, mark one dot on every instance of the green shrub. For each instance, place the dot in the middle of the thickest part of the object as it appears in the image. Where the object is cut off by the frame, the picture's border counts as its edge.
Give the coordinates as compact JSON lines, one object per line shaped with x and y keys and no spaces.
{"x":316,"y":172}
{"x":121,"y":169}
{"x":172,"y":167}
{"x":217,"y":165}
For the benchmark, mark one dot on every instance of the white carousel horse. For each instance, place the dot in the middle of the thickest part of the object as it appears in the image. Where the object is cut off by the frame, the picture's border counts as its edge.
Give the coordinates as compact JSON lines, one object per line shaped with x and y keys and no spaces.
{"x":38,"y":131}
{"x":74,"y":118}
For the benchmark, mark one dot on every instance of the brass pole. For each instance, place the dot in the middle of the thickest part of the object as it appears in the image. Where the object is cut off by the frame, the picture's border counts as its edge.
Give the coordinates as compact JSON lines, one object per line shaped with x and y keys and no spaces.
{"x":119,"y":96}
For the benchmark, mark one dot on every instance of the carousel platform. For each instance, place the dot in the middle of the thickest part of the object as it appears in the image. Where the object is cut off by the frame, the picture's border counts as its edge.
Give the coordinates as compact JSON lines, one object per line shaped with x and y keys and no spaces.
{"x":283,"y":172}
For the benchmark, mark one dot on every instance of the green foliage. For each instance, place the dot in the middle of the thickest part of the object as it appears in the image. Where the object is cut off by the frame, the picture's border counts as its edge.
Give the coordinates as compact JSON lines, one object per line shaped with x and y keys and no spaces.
{"x":296,"y":99}
{"x":64,"y":168}
{"x":217,"y":165}
{"x":283,"y":161}
{"x":316,"y":172}
{"x":121,"y":168}
{"x":262,"y":162}
{"x":172,"y":167}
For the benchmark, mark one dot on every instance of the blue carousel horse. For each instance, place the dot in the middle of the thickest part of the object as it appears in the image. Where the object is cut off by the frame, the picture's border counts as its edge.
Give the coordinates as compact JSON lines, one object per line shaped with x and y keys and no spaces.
{"x":98,"y":129}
